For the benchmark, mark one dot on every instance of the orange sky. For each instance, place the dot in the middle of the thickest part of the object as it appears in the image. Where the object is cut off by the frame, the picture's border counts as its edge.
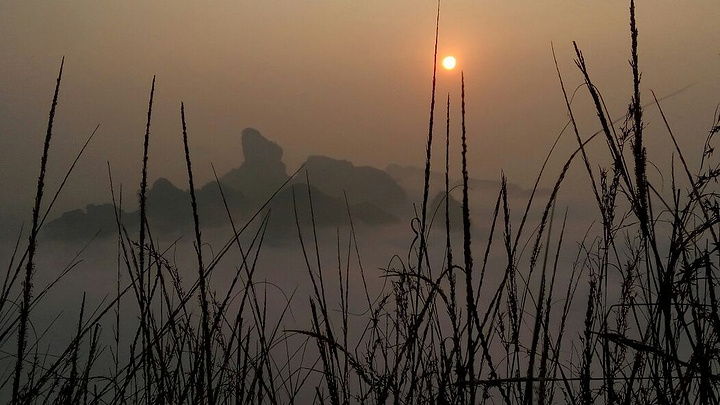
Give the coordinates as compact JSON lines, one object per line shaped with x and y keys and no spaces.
{"x":340,"y":78}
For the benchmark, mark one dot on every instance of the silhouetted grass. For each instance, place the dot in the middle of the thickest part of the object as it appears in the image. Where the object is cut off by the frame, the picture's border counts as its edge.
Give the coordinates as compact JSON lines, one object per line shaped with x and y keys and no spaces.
{"x":527,"y":334}
{"x":32,"y":245}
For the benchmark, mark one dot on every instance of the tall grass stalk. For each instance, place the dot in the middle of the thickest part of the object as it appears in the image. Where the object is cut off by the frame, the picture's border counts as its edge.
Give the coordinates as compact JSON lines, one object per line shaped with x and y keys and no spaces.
{"x":203,"y":297}
{"x":32,"y":244}
{"x":428,"y":150}
{"x":467,"y":253}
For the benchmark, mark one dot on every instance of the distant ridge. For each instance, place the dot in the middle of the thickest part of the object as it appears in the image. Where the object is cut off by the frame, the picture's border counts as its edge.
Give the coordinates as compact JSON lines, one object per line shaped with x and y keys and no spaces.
{"x":373,"y":197}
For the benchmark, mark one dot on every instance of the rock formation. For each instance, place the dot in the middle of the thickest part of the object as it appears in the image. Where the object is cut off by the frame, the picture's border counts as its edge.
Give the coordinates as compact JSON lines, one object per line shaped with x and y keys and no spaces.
{"x":262,"y":171}
{"x":373,"y":197}
{"x":363,"y":184}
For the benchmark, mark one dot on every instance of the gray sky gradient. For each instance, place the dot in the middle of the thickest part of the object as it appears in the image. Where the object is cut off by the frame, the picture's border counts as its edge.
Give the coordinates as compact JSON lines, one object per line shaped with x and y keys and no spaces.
{"x":348,"y":79}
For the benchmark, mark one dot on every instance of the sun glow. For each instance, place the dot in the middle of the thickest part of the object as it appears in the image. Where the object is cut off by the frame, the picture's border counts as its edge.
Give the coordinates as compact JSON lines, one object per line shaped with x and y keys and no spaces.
{"x":449,"y":62}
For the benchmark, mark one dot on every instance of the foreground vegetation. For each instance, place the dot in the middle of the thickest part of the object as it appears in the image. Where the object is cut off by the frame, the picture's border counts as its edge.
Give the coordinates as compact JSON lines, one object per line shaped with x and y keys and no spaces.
{"x":440,"y":333}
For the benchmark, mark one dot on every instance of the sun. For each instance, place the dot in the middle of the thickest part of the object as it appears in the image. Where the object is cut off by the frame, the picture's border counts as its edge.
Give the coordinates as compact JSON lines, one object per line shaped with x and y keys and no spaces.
{"x":449,"y":62}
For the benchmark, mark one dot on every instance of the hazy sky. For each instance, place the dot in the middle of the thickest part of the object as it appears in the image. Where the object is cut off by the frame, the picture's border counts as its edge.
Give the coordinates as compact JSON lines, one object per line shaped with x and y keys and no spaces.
{"x":348,"y":79}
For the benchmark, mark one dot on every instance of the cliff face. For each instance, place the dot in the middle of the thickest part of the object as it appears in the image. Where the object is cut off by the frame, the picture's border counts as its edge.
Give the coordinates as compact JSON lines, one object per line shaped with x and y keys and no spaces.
{"x":83,"y":224}
{"x":363,"y":184}
{"x":168,"y":207}
{"x":262,"y":171}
